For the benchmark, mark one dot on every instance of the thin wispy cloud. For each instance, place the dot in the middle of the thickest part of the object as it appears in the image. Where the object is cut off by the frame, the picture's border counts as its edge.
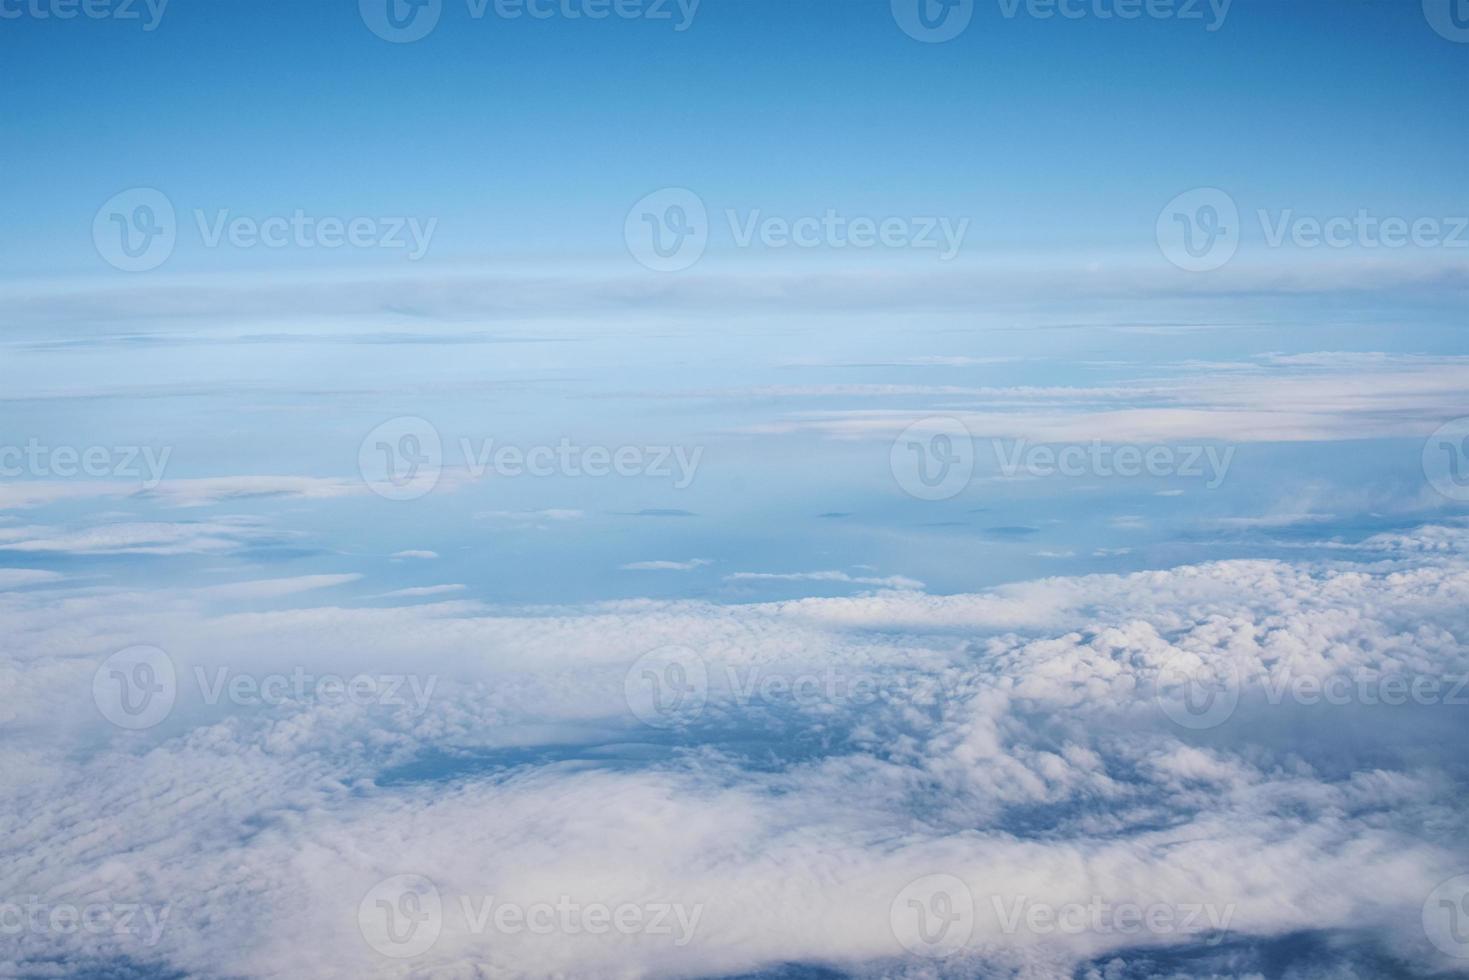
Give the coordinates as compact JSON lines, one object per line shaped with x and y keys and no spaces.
{"x":890,"y":581}
{"x":666,"y":566}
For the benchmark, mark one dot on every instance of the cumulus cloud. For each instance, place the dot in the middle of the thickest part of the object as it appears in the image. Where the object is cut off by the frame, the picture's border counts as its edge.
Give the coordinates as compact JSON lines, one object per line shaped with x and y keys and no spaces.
{"x":833,"y":755}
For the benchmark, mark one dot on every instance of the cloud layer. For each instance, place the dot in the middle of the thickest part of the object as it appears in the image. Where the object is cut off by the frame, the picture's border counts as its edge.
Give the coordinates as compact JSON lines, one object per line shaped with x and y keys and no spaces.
{"x":831,"y":753}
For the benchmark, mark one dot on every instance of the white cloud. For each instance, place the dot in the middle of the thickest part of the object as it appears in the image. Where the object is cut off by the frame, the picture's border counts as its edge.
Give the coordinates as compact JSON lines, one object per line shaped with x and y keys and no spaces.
{"x":1323,"y":399}
{"x":891,"y":581}
{"x":139,"y":538}
{"x":14,"y":578}
{"x":275,"y":587}
{"x":202,"y":491}
{"x":179,"y":493}
{"x":307,"y":300}
{"x":1272,"y":520}
{"x":422,"y":591}
{"x":1014,"y":742}
{"x":665,"y":566}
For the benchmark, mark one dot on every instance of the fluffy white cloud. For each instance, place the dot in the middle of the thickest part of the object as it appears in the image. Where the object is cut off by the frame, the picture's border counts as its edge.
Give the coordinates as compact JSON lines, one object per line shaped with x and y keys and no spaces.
{"x":1021,"y":741}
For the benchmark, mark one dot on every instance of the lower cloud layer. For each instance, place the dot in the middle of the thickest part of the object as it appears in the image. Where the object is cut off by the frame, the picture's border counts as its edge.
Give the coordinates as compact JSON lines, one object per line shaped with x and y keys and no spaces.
{"x":835,"y":760}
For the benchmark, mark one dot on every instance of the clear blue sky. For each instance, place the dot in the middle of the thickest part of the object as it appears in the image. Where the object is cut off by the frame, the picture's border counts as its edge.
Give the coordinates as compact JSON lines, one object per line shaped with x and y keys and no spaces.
{"x":533,"y":138}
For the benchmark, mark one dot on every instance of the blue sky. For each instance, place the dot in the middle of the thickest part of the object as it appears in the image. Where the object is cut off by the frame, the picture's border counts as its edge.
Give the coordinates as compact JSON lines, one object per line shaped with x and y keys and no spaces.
{"x":531,"y":138}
